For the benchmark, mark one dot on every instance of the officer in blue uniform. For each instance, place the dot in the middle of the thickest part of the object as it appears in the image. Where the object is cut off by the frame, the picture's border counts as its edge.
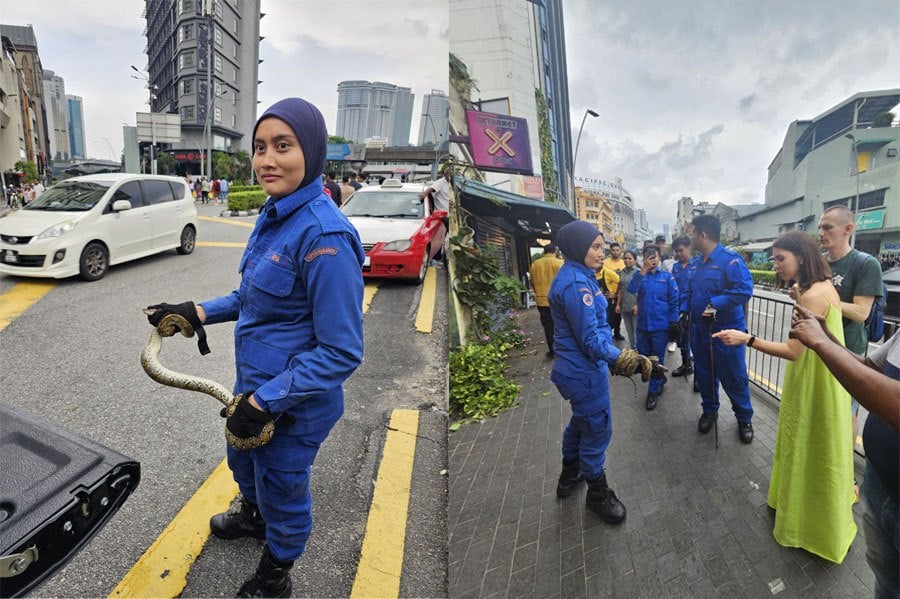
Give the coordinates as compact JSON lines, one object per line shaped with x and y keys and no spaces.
{"x":719,"y":286}
{"x":584,"y":351}
{"x":298,"y":337}
{"x":681,"y":270}
{"x":657,"y":318}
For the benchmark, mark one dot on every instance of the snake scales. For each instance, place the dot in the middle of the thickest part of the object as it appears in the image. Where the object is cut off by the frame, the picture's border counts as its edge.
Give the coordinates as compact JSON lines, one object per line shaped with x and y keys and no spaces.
{"x":168,"y":326}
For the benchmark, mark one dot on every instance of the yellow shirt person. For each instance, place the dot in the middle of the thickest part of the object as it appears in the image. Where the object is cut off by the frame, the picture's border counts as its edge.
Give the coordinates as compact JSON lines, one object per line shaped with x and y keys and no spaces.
{"x":543,"y":270}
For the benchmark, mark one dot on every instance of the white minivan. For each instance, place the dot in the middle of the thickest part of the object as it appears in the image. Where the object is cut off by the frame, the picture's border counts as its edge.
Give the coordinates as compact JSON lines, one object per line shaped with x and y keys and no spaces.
{"x":83,"y":225}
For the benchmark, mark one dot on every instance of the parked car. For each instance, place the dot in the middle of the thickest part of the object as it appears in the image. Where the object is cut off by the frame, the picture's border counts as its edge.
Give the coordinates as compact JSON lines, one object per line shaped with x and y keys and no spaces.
{"x":891,"y":280}
{"x":83,"y":225}
{"x":399,"y":232}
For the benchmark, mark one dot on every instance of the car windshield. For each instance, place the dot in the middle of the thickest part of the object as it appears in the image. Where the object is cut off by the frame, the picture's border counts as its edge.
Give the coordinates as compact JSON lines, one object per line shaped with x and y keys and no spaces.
{"x":71,"y":196}
{"x":385,"y":204}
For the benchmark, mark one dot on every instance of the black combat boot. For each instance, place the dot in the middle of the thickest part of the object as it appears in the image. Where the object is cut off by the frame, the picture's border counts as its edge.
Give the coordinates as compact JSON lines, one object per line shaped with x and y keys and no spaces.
{"x":242,"y":520}
{"x":603,"y":501}
{"x":686,"y":368}
{"x":569,"y":478}
{"x":272,"y":578}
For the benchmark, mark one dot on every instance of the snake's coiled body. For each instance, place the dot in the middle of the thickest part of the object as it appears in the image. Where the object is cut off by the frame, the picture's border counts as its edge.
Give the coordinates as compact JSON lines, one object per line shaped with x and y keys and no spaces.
{"x":168,"y":326}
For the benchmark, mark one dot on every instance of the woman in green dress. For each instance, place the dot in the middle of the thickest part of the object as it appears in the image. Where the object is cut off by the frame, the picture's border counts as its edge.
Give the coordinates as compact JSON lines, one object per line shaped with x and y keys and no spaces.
{"x":811,"y":489}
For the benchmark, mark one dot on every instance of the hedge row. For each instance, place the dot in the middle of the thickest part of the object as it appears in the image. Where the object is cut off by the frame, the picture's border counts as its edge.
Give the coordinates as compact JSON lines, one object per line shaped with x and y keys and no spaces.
{"x":764,"y":277}
{"x":246,"y":200}
{"x":240,"y":188}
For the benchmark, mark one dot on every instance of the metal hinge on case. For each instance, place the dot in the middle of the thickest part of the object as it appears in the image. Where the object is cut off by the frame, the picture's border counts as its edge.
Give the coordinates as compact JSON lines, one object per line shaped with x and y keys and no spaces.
{"x":12,"y":565}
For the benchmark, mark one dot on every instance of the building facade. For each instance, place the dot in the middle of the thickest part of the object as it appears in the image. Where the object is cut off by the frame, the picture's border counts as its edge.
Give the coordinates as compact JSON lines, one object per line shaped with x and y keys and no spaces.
{"x":205,"y":67}
{"x":58,"y":116}
{"x":374,"y":109}
{"x":847,"y":155}
{"x":594,"y":207}
{"x":622,"y":206}
{"x":642,"y":229}
{"x":12,"y":130}
{"x":550,"y":59}
{"x":435,"y":120}
{"x":75,"y":124}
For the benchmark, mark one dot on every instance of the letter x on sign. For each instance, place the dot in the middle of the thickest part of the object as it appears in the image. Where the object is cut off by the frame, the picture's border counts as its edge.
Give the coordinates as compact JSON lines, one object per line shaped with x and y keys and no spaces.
{"x":500,"y":143}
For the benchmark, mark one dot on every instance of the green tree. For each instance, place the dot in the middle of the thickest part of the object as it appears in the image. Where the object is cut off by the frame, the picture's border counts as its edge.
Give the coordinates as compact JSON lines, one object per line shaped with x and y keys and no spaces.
{"x":883,"y":120}
{"x":29,"y":168}
{"x":337,"y":139}
{"x":242,"y":166}
{"x":223,"y":166}
{"x":165,"y":164}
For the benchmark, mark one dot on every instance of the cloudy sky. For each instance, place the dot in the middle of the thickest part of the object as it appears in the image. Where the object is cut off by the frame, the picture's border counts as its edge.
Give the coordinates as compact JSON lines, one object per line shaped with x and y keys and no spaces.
{"x":695,"y":97}
{"x":310,"y":46}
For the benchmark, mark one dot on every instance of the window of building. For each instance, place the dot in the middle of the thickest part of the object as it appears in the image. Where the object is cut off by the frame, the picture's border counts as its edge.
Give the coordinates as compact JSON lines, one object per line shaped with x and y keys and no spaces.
{"x":234,"y":74}
{"x":891,"y":152}
{"x":234,"y":121}
{"x":234,"y":53}
{"x":218,"y":63}
{"x":218,"y":37}
{"x":186,"y":86}
{"x":234,"y":25}
{"x":185,"y":60}
{"x":187,"y":6}
{"x":187,"y":113}
{"x":217,"y":8}
{"x":185,"y":32}
{"x":872,"y":199}
{"x":218,"y":115}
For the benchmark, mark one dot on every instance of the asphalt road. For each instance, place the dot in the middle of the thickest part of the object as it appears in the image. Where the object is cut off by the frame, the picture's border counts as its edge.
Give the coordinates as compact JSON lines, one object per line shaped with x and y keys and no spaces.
{"x":73,"y":359}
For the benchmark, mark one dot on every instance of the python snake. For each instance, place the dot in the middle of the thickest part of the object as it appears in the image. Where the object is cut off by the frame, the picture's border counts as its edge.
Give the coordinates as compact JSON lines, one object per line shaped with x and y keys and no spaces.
{"x":168,"y":326}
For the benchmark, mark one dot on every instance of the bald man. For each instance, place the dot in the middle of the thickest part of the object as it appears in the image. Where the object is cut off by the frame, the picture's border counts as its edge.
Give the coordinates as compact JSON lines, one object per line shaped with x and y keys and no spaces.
{"x":857,"y":280}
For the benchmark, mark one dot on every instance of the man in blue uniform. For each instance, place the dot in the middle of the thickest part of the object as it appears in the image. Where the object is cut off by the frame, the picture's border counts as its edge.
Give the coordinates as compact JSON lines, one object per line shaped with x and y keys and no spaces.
{"x":719,"y":286}
{"x":657,"y":300}
{"x":681,"y":247}
{"x":584,"y":351}
{"x":297,"y":338}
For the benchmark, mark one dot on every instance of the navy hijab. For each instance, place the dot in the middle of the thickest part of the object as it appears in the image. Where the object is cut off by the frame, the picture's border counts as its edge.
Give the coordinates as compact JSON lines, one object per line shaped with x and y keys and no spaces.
{"x":575,"y":238}
{"x":308,"y":125}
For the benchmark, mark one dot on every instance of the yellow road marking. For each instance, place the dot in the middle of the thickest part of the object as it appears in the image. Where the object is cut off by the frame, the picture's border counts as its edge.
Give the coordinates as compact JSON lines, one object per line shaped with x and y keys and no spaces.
{"x":221,"y":244}
{"x":764,"y":382}
{"x":368,"y":293}
{"x":227,"y":221}
{"x":19,"y":298}
{"x":381,"y":562}
{"x":162,"y":570}
{"x":425,"y":315}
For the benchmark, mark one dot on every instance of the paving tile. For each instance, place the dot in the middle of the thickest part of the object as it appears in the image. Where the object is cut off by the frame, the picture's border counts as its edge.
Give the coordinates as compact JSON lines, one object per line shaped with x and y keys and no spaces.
{"x":572,"y":585}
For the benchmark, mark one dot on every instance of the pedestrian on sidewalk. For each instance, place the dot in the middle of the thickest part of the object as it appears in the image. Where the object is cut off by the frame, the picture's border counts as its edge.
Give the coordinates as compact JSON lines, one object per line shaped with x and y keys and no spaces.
{"x":657,"y":297}
{"x":681,"y":247}
{"x":719,"y":286}
{"x":584,"y":349}
{"x":626,"y":302}
{"x":811,"y":486}
{"x":543,"y":271}
{"x":614,"y":264}
{"x":298,"y":336}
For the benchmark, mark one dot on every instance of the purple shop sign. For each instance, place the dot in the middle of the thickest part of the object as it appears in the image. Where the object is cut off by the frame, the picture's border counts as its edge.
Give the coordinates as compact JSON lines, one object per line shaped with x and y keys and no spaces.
{"x":499,"y":142}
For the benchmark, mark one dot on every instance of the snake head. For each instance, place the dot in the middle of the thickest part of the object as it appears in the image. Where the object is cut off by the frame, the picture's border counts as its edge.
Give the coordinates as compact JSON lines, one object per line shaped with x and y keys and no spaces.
{"x":171,"y":324}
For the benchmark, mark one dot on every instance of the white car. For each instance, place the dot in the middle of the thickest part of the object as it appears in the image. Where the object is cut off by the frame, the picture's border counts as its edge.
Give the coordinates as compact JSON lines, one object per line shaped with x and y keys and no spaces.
{"x":83,"y":225}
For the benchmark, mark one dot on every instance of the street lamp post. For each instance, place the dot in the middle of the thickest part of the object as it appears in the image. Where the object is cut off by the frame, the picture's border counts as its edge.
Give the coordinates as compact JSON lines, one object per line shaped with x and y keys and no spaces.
{"x":437,"y":146}
{"x":852,"y":139}
{"x":578,"y":139}
{"x":150,"y":87}
{"x":108,"y":145}
{"x":207,"y":139}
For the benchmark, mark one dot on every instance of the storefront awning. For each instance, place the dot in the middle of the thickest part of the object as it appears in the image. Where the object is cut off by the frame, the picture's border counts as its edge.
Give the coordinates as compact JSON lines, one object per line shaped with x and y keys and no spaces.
{"x":531,"y":217}
{"x":759,"y":246}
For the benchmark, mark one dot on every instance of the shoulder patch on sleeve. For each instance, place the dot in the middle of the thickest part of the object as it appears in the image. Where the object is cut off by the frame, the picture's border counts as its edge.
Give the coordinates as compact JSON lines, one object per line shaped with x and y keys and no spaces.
{"x":322,"y":251}
{"x":587,"y":299}
{"x":734,"y":261}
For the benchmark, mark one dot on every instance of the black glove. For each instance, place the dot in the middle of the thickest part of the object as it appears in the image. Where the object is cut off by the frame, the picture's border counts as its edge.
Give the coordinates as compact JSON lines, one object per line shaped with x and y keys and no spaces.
{"x":684,"y":320}
{"x":247,"y":421}
{"x":674,"y":331}
{"x":186,"y":310}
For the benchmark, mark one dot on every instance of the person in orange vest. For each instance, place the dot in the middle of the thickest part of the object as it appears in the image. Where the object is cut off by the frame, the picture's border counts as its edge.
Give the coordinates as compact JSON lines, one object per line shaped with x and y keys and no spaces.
{"x":542,"y":272}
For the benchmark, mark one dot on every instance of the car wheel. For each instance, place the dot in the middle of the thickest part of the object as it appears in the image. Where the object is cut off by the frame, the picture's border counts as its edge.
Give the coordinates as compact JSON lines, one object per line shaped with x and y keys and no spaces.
{"x":188,"y":241}
{"x":423,"y":269}
{"x":94,"y":262}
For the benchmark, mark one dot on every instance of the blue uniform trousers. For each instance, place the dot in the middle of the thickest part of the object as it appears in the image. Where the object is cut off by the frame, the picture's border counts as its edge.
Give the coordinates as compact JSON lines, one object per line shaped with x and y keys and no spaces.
{"x":589,"y":431}
{"x":684,"y":342}
{"x":730,"y":366}
{"x":275,"y":477}
{"x":653,"y":343}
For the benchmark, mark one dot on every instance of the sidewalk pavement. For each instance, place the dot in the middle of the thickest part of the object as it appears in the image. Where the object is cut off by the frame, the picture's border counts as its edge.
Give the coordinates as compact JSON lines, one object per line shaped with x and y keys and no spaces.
{"x":697,"y":523}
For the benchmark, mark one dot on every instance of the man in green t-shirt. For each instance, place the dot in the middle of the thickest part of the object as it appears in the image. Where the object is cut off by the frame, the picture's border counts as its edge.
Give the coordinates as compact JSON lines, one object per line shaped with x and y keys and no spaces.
{"x":857,"y":289}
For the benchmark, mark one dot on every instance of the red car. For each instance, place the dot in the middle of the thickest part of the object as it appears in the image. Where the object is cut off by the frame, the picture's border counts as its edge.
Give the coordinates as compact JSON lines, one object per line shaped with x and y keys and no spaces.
{"x":399,"y":232}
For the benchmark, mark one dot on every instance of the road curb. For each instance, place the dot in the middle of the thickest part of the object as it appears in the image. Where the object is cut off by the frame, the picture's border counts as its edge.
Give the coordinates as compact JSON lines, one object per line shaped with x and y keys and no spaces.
{"x":230,"y":213}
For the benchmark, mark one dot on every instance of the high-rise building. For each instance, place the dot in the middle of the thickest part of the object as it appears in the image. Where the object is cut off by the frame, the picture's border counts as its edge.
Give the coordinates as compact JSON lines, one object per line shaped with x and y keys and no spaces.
{"x":550,"y":48}
{"x":12,"y":131}
{"x":58,"y":116}
{"x":206,"y":69}
{"x":374,"y":109}
{"x":75,"y":124}
{"x":622,"y":205}
{"x":23,"y":44}
{"x":434,"y":122}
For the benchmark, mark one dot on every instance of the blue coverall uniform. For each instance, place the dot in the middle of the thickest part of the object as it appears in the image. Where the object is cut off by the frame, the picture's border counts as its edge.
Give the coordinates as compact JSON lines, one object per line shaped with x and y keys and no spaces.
{"x":657,"y":299}
{"x":298,"y":336}
{"x":682,"y":273}
{"x":584,"y":349}
{"x":723,"y":281}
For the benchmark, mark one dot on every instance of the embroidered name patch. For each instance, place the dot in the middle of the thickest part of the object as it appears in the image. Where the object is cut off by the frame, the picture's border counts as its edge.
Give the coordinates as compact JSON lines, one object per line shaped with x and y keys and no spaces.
{"x":320,"y":252}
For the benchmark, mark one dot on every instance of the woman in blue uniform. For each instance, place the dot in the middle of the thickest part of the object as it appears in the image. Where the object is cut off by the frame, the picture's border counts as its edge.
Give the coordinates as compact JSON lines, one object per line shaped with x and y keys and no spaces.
{"x":298,"y":337}
{"x":584,"y":351}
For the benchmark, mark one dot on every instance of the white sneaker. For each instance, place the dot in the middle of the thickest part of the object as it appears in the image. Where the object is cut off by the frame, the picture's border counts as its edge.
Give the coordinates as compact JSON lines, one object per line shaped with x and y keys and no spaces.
{"x":671,"y":347}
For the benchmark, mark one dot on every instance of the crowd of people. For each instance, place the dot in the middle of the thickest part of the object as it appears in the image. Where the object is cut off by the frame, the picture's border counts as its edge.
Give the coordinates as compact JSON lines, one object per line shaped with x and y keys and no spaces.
{"x":19,"y":196}
{"x":889,"y":261}
{"x":208,"y":191}
{"x":697,"y":300}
